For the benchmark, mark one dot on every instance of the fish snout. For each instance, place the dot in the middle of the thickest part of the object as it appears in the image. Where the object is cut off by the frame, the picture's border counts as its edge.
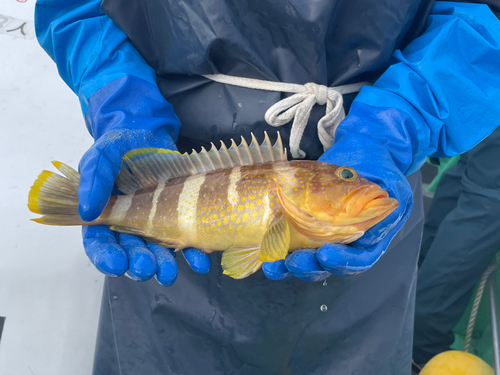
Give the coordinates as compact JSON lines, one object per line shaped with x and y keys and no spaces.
{"x":369,"y":198}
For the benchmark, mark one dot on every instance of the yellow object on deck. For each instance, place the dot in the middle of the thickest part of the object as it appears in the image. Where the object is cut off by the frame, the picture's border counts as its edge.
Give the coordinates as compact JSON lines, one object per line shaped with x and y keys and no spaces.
{"x":455,"y":362}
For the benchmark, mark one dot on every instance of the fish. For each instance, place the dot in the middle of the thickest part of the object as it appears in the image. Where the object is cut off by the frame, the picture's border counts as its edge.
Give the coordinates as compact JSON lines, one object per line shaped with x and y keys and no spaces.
{"x":248,"y":201}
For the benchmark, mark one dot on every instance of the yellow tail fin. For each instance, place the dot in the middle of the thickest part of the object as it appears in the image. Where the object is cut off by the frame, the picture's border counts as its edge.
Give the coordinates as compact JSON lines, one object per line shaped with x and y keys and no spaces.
{"x":56,"y":197}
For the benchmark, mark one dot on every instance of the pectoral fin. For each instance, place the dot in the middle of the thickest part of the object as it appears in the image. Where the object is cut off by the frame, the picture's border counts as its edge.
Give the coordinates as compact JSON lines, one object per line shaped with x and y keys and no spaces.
{"x":276,"y":241}
{"x":240,"y":262}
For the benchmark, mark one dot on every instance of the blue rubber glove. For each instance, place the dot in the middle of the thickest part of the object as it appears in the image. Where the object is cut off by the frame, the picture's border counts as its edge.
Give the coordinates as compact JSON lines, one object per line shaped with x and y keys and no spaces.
{"x":439,"y":98}
{"x":126,"y":114}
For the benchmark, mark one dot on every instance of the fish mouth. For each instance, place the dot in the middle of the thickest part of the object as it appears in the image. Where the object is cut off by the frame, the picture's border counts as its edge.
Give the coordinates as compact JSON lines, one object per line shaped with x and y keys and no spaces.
{"x":377,"y":198}
{"x":369,"y":202}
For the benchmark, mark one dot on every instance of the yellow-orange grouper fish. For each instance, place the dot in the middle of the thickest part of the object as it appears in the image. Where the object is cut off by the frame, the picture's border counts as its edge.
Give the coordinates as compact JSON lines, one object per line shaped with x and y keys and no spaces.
{"x":247,"y":201}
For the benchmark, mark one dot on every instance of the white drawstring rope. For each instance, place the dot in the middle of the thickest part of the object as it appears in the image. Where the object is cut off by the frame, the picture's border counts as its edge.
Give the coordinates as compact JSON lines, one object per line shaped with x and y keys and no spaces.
{"x":298,"y":107}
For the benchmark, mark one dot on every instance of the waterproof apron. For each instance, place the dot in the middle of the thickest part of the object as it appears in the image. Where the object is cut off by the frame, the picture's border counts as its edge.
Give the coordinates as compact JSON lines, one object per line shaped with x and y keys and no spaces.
{"x":212,"y":324}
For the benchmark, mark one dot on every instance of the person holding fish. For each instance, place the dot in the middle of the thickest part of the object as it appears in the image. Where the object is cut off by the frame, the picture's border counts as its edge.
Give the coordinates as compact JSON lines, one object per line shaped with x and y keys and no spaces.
{"x":336,"y":231}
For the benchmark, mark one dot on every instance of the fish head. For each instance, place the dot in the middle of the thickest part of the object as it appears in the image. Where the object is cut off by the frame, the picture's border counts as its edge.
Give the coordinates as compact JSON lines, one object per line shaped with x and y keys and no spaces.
{"x":338,"y":195}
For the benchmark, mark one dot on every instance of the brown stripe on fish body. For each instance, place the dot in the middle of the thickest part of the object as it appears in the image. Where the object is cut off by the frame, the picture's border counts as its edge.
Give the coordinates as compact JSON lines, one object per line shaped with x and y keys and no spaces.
{"x":106,"y":213}
{"x":256,"y":181}
{"x":293,"y":179}
{"x":140,"y":207}
{"x":305,"y":171}
{"x":166,"y":216}
{"x":271,"y":205}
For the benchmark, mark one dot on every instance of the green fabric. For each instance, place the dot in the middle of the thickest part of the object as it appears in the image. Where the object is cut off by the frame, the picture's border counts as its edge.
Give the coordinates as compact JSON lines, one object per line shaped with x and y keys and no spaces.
{"x":444,"y":164}
{"x":481,"y":343}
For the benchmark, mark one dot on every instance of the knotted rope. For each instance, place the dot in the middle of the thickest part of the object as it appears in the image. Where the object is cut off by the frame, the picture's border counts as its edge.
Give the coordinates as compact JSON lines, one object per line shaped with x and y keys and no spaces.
{"x":298,"y":107}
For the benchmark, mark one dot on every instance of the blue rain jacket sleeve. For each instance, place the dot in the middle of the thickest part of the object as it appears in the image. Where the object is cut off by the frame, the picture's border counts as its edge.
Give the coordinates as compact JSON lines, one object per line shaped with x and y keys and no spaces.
{"x":447,"y":82}
{"x":89,"y":49}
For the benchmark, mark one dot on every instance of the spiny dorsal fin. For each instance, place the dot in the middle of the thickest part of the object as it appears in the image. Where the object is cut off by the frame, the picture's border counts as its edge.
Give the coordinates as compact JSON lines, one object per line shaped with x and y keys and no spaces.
{"x":147,"y":167}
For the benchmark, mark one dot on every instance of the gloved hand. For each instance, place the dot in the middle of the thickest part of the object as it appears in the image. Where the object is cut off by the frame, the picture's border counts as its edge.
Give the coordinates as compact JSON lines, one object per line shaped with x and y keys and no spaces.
{"x":361,"y":143}
{"x":125,"y":114}
{"x":421,"y":106}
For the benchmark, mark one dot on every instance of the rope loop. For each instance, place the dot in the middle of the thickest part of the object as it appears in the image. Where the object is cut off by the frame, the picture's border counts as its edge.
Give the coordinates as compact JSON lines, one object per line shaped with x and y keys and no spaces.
{"x":298,"y":107}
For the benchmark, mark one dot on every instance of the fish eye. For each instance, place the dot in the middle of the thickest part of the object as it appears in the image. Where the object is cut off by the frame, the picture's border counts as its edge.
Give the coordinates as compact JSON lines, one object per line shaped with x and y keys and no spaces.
{"x":346,"y":174}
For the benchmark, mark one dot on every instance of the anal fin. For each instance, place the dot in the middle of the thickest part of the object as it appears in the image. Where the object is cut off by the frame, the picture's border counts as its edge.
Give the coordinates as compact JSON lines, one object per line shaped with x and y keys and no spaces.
{"x":126,"y":230}
{"x":144,"y":236}
{"x":240,"y":262}
{"x":276,"y":241}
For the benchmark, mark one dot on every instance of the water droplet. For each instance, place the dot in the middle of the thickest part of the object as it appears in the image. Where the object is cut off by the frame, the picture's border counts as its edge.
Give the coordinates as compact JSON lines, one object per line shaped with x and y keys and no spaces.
{"x":115,"y":296}
{"x":324,"y":283}
{"x":323,"y":308}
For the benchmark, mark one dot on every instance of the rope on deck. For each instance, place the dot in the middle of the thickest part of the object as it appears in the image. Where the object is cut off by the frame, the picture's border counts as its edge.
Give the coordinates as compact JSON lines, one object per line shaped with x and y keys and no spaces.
{"x":477,"y":300}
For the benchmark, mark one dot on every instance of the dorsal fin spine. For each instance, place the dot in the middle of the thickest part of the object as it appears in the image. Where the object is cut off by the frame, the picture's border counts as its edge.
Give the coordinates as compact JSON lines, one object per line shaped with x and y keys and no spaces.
{"x":193,"y":169}
{"x":269,"y":146}
{"x":204,"y":152}
{"x":199,"y":160}
{"x":238,"y":153}
{"x":174,"y":165}
{"x":280,"y":145}
{"x":247,"y":149}
{"x":228,"y":155}
{"x":255,"y":145}
{"x":142,"y":168}
{"x":217,"y":153}
{"x":226,"y":151}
